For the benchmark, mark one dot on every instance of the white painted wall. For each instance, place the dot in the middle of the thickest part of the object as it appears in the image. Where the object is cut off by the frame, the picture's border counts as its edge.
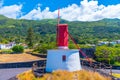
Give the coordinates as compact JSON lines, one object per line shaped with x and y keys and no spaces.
{"x":2,"y":46}
{"x":7,"y":46}
{"x":55,"y":62}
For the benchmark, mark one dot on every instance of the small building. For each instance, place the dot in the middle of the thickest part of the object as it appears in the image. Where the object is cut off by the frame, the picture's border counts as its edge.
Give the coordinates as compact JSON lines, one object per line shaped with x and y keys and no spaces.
{"x":7,"y":46}
{"x":118,"y":41}
{"x":103,"y":43}
{"x":2,"y":46}
{"x":113,"y":43}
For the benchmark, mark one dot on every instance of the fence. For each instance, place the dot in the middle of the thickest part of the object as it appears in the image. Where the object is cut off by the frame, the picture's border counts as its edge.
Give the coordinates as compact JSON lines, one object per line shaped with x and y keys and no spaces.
{"x":22,"y":64}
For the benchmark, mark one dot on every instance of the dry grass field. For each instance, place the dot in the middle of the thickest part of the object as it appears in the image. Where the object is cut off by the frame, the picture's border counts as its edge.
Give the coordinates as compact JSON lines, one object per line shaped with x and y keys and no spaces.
{"x":8,"y":58}
{"x":64,"y":75}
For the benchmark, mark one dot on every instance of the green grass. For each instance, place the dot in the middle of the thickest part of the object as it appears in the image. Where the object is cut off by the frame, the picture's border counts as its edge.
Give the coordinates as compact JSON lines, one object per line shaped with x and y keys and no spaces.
{"x":6,"y":51}
{"x":117,"y":63}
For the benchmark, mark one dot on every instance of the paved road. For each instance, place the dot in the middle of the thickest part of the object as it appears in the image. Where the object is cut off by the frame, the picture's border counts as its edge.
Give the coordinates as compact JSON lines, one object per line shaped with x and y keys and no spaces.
{"x":108,"y":71}
{"x":6,"y":74}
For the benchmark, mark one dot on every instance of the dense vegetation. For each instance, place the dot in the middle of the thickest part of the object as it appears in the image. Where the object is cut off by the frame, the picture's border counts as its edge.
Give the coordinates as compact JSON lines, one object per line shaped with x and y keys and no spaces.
{"x":83,"y":32}
{"x":108,"y":54}
{"x":41,"y":35}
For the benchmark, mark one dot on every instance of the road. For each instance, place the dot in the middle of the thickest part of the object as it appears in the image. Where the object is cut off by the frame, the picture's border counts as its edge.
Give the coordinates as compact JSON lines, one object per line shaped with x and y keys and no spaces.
{"x":6,"y":74}
{"x":113,"y":71}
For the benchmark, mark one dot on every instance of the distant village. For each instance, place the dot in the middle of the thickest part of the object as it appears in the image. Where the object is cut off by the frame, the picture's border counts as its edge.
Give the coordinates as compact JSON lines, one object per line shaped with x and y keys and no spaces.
{"x":10,"y":45}
{"x":100,"y":43}
{"x":107,"y":42}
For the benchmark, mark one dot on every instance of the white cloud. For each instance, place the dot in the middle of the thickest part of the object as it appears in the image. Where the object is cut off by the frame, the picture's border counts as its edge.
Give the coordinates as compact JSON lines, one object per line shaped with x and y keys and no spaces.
{"x":90,"y":11}
{"x":86,"y":11}
{"x":38,"y":14}
{"x":12,"y":11}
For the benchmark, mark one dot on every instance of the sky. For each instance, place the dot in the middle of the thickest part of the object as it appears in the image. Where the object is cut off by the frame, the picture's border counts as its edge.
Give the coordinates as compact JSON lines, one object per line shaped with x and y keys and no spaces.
{"x":71,"y":10}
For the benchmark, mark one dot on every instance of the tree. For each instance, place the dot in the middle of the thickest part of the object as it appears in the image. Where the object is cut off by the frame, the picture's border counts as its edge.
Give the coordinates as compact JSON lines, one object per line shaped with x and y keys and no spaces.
{"x":30,"y":37}
{"x":107,"y":54}
{"x":18,"y":48}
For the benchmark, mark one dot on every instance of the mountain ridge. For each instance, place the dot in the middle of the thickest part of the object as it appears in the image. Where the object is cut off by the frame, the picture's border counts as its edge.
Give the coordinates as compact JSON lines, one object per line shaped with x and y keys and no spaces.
{"x":83,"y":32}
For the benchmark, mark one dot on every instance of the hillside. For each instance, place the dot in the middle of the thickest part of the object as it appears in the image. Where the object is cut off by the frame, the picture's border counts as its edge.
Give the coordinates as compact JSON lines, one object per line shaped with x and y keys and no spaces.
{"x":83,"y":32}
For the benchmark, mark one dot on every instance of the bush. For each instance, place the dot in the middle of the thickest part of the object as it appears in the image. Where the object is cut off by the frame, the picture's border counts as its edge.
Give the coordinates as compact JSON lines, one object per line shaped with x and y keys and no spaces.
{"x":44,"y":47}
{"x":18,"y":49}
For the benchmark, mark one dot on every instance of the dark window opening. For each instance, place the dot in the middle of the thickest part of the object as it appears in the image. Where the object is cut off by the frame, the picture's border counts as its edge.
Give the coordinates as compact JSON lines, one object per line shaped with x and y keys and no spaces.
{"x":64,"y":58}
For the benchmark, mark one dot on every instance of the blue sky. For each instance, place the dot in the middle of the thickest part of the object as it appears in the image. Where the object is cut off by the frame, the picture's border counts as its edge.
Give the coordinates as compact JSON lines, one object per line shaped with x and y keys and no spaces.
{"x":72,"y":10}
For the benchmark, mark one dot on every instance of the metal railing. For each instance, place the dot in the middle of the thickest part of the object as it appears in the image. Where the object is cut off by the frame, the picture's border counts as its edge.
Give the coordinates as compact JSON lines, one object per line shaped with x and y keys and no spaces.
{"x":97,"y":67}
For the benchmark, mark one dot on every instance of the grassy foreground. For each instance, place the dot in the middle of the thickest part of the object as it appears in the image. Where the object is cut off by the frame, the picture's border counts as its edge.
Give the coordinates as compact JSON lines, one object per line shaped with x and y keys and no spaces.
{"x":64,"y":75}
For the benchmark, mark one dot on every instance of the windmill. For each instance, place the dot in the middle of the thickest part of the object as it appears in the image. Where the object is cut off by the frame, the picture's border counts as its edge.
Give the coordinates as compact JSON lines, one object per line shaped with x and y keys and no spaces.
{"x":63,"y":58}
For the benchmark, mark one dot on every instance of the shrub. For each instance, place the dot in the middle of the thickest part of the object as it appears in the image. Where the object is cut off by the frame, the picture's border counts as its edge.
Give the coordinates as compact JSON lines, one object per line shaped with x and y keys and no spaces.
{"x":44,"y":47}
{"x":18,"y":48}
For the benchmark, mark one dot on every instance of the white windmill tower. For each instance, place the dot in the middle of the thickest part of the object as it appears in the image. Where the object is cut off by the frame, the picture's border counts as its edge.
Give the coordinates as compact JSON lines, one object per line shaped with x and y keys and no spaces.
{"x":63,"y":58}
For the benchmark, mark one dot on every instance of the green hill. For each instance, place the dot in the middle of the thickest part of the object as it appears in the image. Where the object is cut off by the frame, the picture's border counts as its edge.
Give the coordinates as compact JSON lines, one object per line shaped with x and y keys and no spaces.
{"x":83,"y":32}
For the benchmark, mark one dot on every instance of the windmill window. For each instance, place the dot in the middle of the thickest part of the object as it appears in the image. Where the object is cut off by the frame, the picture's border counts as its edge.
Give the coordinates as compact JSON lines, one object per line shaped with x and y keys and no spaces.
{"x":64,"y":58}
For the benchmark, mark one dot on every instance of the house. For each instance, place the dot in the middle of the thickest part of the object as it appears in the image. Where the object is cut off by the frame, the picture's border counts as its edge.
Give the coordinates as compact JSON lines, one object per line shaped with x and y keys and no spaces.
{"x":7,"y":46}
{"x":113,"y":42}
{"x":118,"y":41}
{"x":2,"y":46}
{"x":103,"y":43}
